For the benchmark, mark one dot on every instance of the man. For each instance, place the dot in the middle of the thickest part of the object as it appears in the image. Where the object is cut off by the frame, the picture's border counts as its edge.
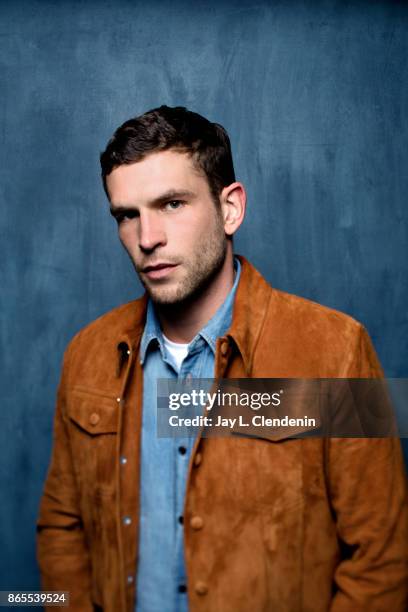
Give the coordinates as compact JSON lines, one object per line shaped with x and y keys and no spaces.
{"x":228,"y":524}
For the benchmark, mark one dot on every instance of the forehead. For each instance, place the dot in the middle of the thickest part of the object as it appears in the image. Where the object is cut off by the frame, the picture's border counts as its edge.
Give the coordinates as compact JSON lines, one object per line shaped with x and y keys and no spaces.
{"x":155,"y":174}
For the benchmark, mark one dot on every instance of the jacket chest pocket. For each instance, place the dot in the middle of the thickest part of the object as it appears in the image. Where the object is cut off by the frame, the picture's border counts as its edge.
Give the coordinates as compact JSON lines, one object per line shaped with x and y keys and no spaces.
{"x":93,"y":421}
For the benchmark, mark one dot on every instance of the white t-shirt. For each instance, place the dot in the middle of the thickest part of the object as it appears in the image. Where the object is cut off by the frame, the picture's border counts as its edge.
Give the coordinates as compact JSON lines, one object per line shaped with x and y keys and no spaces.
{"x":177,"y":351}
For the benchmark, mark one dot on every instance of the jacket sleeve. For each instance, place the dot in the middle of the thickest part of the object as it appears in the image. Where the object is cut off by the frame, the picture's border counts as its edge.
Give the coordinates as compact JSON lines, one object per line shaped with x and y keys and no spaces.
{"x":368,"y":490}
{"x":61,"y":547}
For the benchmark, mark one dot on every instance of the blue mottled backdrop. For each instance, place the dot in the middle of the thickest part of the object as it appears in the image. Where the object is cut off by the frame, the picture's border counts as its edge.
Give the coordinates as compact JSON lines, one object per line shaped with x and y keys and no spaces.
{"x":314,"y":96}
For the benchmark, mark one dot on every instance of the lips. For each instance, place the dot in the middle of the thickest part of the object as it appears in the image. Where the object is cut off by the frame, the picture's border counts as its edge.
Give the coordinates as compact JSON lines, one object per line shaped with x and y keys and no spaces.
{"x":159,"y":270}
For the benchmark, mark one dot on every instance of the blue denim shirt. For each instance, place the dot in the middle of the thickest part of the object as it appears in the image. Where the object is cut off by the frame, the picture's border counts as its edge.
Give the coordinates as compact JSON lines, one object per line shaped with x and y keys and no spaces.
{"x":161,"y":578}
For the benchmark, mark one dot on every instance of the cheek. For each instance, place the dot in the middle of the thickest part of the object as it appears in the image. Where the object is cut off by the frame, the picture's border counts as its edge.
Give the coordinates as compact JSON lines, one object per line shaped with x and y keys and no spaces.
{"x":127,"y":236}
{"x":196,"y":227}
{"x":179,"y":231}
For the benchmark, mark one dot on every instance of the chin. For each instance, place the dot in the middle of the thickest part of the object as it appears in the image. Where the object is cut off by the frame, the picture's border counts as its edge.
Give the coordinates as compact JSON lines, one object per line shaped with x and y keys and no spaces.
{"x":171,"y":296}
{"x":165,"y":296}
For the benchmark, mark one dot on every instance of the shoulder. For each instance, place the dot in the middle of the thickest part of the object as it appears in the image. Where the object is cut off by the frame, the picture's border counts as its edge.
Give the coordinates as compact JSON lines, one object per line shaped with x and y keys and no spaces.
{"x":321,"y":341}
{"x":307,"y":313}
{"x":296,"y":336}
{"x":287,"y":308}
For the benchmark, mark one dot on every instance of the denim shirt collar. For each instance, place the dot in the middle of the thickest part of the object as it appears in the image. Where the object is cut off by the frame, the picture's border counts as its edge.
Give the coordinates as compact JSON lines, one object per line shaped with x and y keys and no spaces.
{"x":216,"y":326}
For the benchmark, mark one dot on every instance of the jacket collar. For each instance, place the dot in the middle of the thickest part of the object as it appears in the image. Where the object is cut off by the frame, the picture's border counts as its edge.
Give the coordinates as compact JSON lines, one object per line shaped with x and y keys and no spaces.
{"x":250,"y":307}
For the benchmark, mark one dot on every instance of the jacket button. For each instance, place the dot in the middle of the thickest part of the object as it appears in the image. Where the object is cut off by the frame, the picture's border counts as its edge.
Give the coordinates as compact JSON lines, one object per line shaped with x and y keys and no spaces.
{"x":201,"y":588}
{"x":94,"y":418}
{"x":126,"y":520}
{"x":224,"y":347}
{"x":197,"y":459}
{"x":196,"y":522}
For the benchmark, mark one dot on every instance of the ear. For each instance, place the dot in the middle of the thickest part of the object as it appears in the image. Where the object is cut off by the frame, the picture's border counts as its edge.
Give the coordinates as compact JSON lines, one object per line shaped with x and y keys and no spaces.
{"x":233,"y":203}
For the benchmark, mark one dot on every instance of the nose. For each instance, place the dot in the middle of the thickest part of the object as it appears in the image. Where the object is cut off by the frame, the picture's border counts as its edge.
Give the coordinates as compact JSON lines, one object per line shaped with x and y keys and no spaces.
{"x":151,"y":232}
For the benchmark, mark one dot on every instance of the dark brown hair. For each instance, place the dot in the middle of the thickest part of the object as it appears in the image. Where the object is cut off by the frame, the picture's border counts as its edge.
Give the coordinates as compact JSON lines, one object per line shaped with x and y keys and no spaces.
{"x":177,"y":128}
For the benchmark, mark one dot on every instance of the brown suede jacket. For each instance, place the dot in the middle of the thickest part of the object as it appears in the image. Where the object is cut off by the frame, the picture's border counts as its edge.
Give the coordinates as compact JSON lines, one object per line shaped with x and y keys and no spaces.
{"x":295,"y":525}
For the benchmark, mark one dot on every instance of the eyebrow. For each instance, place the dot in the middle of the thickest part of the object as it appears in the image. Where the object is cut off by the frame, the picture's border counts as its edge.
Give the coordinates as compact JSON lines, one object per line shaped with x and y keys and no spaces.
{"x":171,"y":194}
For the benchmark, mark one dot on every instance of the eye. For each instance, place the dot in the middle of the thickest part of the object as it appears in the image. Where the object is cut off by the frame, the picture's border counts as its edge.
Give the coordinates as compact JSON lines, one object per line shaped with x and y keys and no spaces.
{"x":125,"y":216}
{"x":173,"y":204}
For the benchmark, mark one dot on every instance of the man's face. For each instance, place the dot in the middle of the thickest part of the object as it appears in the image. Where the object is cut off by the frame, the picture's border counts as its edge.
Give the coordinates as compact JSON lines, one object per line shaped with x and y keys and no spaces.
{"x":169,"y":224}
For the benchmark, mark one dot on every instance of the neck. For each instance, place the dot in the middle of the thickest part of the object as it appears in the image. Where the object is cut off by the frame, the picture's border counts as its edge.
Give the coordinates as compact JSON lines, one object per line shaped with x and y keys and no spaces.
{"x":181,"y":322}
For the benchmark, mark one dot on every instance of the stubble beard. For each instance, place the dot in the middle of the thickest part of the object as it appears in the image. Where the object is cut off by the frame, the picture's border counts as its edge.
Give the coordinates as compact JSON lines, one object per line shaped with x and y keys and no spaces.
{"x":208,"y":260}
